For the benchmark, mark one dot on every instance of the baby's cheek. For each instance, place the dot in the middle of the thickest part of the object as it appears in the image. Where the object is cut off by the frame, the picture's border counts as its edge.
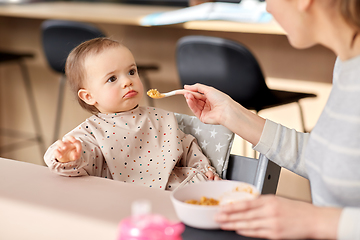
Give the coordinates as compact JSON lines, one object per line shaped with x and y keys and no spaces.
{"x":112,"y":96}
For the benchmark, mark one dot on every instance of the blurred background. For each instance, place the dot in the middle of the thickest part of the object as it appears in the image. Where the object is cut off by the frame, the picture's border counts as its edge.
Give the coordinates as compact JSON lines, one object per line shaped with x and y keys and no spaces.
{"x":285,"y":68}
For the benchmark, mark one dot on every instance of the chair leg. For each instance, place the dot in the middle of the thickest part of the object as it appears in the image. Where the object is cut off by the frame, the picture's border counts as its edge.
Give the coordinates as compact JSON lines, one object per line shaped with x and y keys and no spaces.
{"x":59,"y":107}
{"x":302,"y":117}
{"x":33,"y":109}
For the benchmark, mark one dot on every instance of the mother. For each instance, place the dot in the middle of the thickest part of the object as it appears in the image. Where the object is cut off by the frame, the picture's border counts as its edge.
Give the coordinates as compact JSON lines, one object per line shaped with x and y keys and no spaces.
{"x":329,"y":156}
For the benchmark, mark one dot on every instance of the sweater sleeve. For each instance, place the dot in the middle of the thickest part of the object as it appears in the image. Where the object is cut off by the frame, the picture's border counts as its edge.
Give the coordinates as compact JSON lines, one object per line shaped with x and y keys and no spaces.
{"x":90,"y":163}
{"x":284,"y":146}
{"x":349,"y":224}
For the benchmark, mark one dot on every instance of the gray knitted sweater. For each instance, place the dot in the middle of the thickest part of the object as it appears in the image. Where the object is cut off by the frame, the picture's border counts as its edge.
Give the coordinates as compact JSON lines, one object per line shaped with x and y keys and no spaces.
{"x":329,"y":156}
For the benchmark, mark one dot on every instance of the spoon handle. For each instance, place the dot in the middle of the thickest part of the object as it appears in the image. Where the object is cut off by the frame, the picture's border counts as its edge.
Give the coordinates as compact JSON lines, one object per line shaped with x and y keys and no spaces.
{"x":172,"y":93}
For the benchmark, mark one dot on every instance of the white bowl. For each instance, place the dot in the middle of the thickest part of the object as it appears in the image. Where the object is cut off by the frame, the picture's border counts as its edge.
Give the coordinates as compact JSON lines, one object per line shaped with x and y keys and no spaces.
{"x":200,"y":216}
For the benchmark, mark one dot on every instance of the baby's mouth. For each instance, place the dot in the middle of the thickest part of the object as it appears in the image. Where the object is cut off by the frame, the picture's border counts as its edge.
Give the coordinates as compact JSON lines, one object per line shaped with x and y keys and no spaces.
{"x":130,"y":94}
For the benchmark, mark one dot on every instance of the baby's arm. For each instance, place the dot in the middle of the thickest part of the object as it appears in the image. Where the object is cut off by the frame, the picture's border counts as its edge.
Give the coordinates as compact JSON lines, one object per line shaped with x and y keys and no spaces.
{"x":194,"y":157}
{"x":79,"y":155}
{"x":68,"y":150}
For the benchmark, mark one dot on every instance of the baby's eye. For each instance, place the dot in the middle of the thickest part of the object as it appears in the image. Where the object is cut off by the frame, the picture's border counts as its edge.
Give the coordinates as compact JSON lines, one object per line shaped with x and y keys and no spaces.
{"x":112,"y":79}
{"x":132,"y":72}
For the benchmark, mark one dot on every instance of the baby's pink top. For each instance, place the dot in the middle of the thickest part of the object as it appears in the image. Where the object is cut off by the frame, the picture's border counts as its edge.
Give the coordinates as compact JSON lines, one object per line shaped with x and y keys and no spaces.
{"x":143,"y":146}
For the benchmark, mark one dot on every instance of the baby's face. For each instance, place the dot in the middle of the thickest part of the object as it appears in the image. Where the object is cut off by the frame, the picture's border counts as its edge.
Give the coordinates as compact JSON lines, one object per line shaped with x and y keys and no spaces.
{"x":113,"y":81}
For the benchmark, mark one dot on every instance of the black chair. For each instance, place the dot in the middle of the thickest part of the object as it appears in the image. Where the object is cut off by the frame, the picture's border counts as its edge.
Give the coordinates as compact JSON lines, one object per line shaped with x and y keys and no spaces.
{"x":59,"y":37}
{"x":27,"y":138}
{"x":230,"y":67}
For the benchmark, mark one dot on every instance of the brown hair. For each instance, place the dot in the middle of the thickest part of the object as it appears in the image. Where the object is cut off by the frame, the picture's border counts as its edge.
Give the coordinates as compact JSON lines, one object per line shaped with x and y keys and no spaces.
{"x":74,"y":69}
{"x":350,"y":10}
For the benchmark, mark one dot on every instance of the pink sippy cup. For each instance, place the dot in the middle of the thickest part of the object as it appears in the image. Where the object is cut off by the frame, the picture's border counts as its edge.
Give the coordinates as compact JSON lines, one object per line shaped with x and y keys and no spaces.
{"x":145,"y":226}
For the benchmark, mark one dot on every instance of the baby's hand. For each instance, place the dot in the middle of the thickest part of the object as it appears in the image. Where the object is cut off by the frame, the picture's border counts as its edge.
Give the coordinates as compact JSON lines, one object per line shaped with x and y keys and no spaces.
{"x":211,"y":176}
{"x":68,"y":150}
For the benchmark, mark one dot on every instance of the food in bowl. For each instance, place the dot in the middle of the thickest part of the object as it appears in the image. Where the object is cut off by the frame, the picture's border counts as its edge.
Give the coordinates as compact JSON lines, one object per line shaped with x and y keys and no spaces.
{"x":204,"y":201}
{"x":202,"y":216}
{"x":239,"y":193}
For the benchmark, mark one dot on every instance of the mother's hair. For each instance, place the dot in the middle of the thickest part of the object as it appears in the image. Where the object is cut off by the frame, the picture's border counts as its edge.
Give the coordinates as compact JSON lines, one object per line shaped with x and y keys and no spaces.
{"x":350,"y":10}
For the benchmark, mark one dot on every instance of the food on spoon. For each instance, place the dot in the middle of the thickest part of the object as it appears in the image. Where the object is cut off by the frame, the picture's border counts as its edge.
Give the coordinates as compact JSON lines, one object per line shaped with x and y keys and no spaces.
{"x":154,"y":93}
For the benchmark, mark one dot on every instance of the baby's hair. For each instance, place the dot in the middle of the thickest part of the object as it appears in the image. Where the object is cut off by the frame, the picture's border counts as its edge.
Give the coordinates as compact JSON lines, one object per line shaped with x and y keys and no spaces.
{"x":75,"y":70}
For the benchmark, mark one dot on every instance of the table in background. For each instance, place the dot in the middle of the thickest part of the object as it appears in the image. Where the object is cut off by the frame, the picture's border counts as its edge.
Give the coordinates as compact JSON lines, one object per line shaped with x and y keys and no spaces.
{"x":125,"y":14}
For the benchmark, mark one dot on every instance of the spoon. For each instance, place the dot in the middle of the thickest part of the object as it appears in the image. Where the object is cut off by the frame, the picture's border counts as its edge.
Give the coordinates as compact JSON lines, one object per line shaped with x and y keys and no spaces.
{"x":154,"y":93}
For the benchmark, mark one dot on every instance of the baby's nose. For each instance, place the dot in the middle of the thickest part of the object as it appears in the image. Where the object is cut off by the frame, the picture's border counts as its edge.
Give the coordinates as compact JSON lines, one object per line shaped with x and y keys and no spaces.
{"x":127,"y":82}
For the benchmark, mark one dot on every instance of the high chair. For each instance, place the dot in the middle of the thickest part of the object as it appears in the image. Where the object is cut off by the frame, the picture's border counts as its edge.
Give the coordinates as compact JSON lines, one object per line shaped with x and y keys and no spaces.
{"x":216,"y":142}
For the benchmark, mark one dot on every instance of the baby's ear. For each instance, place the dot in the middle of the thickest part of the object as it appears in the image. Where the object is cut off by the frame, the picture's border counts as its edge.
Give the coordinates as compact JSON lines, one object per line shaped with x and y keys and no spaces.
{"x":86,"y":96}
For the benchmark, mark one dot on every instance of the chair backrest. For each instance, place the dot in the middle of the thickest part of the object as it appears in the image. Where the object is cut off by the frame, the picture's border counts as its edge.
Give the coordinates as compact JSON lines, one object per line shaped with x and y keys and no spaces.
{"x":224,"y":64}
{"x":214,"y":140}
{"x":59,"y":37}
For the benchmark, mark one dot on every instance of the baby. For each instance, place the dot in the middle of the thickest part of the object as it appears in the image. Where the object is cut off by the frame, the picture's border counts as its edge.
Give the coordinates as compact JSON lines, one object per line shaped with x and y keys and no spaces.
{"x":123,"y":141}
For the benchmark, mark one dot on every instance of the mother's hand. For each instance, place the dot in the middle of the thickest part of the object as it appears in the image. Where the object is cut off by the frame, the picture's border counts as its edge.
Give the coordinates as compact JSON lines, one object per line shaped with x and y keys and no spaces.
{"x":274,"y":217}
{"x":211,"y":106}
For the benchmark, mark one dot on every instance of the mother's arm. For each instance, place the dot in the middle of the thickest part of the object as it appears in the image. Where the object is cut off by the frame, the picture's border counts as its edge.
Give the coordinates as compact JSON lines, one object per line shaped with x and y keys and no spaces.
{"x":282,"y":145}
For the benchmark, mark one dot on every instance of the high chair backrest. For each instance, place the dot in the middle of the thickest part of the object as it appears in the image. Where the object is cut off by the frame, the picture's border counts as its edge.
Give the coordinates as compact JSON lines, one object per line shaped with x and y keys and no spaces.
{"x":216,"y":142}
